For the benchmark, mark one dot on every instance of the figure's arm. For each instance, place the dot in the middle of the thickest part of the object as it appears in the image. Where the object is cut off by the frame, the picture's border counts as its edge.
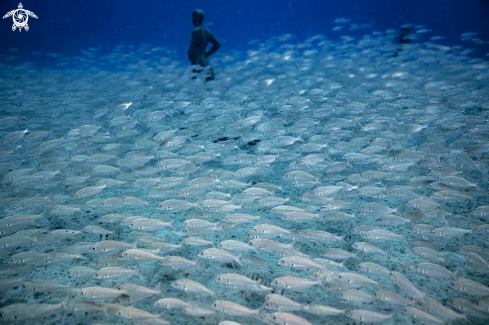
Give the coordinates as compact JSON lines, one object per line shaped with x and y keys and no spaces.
{"x":215,"y":45}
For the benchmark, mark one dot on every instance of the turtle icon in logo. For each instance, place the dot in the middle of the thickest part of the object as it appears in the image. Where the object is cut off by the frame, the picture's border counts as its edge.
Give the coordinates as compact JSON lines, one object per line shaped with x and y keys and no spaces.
{"x":20,"y":17}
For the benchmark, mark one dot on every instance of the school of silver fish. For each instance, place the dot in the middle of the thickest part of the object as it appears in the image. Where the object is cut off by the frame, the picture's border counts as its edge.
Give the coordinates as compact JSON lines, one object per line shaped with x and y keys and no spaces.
{"x":321,"y":182}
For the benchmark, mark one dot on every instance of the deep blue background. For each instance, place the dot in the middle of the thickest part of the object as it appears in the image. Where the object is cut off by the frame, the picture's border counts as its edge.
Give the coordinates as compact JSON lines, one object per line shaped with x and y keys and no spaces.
{"x":66,"y":27}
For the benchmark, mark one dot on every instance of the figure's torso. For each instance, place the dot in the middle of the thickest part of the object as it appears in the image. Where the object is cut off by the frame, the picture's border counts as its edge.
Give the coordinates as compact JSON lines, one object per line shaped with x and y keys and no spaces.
{"x":198,"y":45}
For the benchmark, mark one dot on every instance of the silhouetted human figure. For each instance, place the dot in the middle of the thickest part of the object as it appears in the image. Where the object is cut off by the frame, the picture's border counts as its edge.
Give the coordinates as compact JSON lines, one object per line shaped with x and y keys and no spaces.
{"x":402,"y":36}
{"x":201,"y":36}
{"x":402,"y":39}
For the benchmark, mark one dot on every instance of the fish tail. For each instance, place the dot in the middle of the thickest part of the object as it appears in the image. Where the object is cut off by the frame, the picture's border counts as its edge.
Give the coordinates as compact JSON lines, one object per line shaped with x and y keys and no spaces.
{"x":38,"y":239}
{"x":440,"y":216}
{"x":320,"y":283}
{"x":138,"y":272}
{"x":237,"y":259}
{"x":104,"y":310}
{"x":66,"y":301}
{"x":455,"y":274}
{"x":425,"y":294}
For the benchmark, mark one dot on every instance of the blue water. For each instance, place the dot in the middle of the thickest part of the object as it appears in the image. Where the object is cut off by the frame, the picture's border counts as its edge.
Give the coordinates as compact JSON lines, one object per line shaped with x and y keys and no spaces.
{"x":68,"y":27}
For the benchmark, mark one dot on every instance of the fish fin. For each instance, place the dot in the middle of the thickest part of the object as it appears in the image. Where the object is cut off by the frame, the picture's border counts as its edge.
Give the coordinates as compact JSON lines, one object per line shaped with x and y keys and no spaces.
{"x":161,"y":314}
{"x":260,"y":309}
{"x":440,"y":216}
{"x":198,"y":261}
{"x":138,"y":272}
{"x":291,"y":245}
{"x":38,"y":239}
{"x":66,"y":301}
{"x":478,"y":184}
{"x":220,"y":229}
{"x":43,"y":214}
{"x":237,"y":259}
{"x":396,"y":209}
{"x":320,"y":283}
{"x":321,"y":218}
{"x":425,"y":294}
{"x":104,"y":310}
{"x":479,"y":167}
{"x":455,"y":274}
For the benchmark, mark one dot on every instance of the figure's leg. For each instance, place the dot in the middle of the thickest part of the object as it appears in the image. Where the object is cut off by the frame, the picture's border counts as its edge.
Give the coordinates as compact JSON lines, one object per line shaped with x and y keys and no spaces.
{"x":196,"y":71}
{"x":210,"y":74}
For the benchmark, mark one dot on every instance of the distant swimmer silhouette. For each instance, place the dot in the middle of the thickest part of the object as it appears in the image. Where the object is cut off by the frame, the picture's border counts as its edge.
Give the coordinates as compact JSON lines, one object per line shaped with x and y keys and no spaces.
{"x":402,"y":35}
{"x":403,"y":39}
{"x":199,"y":40}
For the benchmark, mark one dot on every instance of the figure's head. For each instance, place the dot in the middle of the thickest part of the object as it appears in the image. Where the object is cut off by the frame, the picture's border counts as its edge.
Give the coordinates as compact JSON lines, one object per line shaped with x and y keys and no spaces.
{"x":197,"y":17}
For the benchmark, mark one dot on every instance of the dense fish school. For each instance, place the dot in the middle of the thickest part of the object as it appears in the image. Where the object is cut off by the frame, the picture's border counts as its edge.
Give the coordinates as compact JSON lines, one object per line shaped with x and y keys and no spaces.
{"x":311,"y":183}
